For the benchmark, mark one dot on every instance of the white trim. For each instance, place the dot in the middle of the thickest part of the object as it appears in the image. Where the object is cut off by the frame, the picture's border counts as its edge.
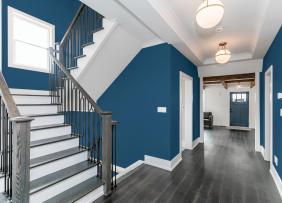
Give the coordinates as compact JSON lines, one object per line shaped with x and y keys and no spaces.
{"x":163,"y":163}
{"x":183,"y":77}
{"x":268,"y":152}
{"x":261,"y":150}
{"x":37,"y":21}
{"x":257,"y":112}
{"x":123,"y":171}
{"x":152,"y":43}
{"x":92,"y":196}
{"x":196,"y":142}
{"x":202,"y":110}
{"x":1,"y":36}
{"x":277,"y":179}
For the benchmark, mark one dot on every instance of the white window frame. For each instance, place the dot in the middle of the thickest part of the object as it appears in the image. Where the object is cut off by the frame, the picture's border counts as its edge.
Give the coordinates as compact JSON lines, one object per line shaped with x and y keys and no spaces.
{"x":12,"y":12}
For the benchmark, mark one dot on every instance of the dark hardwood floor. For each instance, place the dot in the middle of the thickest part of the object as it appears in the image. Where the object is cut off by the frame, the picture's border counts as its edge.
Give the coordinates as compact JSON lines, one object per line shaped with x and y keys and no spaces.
{"x":225,"y":169}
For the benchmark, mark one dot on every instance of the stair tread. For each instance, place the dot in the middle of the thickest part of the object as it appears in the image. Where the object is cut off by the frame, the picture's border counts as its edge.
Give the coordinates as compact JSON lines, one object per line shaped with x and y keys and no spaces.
{"x":48,"y":126}
{"x":77,"y":192}
{"x":74,"y":67}
{"x":43,"y":115}
{"x":53,"y":178}
{"x":80,"y":56}
{"x":34,"y":95}
{"x":87,"y":44}
{"x":55,"y":156}
{"x":39,"y":104}
{"x":52,"y":140}
{"x":98,"y":29}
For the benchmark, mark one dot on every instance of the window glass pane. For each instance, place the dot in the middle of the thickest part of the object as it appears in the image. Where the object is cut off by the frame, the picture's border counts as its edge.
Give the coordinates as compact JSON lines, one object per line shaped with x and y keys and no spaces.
{"x":31,"y":56}
{"x":244,"y":97}
{"x":239,"y":97}
{"x":233,"y":97}
{"x":29,"y":32}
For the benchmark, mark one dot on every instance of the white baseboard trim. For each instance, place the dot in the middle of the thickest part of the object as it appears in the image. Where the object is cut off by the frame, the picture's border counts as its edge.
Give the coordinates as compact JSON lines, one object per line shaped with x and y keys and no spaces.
{"x":196,"y":142}
{"x":276,"y":179}
{"x":123,"y":171}
{"x":261,"y":150}
{"x":163,"y":163}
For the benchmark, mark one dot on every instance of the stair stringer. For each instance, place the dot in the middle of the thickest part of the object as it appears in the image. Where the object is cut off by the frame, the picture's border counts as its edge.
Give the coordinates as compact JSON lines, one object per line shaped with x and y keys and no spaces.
{"x":106,"y":64}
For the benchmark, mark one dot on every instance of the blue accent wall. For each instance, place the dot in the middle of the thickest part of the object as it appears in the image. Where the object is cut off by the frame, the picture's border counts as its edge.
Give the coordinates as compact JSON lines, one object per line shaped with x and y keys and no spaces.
{"x":149,"y":81}
{"x":273,"y":57}
{"x":57,"y":12}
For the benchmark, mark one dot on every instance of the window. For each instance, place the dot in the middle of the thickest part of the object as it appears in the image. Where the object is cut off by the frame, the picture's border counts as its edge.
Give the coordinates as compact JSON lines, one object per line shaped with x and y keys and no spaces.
{"x":29,"y":39}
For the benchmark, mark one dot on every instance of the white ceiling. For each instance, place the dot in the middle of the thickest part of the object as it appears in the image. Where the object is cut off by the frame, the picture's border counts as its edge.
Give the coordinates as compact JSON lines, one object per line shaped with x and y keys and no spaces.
{"x":249,"y":27}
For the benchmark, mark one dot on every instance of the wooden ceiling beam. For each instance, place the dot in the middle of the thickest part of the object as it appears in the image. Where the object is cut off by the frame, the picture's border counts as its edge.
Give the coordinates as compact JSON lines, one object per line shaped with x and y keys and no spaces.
{"x":230,"y":77}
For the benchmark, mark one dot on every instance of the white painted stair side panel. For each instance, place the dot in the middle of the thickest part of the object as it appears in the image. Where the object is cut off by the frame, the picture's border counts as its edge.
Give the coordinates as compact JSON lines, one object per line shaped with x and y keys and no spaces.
{"x":28,"y":91}
{"x":49,"y":133}
{"x":54,"y":166}
{"x":92,"y":196}
{"x":37,"y":110}
{"x":19,"y":99}
{"x":62,"y":186}
{"x":47,"y":120}
{"x":106,"y":65}
{"x":53,"y":148}
{"x":100,"y":38}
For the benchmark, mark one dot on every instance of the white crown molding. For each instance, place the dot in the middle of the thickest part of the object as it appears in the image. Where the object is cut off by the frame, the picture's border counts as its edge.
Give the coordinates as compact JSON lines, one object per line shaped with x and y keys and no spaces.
{"x":234,"y":57}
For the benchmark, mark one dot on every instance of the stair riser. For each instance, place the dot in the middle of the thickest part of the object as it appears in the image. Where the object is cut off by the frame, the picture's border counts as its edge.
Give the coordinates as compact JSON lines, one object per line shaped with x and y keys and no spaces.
{"x":54,"y":166}
{"x":26,"y":91}
{"x":49,"y":133}
{"x":47,"y":120}
{"x":53,"y":148}
{"x":32,"y":99}
{"x":36,"y":110}
{"x":62,"y":186}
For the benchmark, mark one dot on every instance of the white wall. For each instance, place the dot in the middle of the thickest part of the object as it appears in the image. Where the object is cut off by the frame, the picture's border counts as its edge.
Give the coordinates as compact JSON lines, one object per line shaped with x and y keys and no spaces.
{"x":217,"y":101}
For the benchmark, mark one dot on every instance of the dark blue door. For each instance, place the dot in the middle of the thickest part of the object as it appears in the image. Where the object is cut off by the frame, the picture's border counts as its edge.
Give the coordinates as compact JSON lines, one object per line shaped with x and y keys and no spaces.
{"x":239,"y":109}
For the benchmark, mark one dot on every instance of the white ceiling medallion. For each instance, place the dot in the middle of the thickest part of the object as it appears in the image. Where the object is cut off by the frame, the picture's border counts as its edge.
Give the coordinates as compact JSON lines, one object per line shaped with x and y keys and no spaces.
{"x":209,"y":13}
{"x":223,"y":55}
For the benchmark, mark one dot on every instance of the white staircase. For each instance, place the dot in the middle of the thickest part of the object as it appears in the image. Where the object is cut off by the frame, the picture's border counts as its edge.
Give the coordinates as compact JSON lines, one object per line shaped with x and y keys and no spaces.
{"x":105,"y":58}
{"x":59,"y":170}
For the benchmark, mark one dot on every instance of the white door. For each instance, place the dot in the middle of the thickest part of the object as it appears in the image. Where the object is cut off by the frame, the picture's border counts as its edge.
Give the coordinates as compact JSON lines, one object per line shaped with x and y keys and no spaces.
{"x":186,"y":111}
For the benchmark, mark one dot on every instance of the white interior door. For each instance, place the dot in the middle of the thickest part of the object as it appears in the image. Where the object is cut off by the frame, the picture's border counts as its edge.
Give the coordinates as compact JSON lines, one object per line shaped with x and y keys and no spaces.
{"x":186,"y":111}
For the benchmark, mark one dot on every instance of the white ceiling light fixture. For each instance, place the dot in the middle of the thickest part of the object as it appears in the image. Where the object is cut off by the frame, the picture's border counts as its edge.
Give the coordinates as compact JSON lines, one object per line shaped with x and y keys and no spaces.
{"x":209,"y":13}
{"x":223,"y":55}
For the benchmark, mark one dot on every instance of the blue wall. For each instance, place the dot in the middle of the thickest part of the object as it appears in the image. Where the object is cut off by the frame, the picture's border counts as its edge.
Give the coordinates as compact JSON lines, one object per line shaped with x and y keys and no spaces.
{"x":149,"y":81}
{"x":57,"y":12}
{"x":273,"y":57}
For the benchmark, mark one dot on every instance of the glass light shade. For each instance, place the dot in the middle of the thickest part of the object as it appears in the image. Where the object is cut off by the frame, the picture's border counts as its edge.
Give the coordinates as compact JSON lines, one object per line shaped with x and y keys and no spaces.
{"x":209,"y":13}
{"x":222,"y":56}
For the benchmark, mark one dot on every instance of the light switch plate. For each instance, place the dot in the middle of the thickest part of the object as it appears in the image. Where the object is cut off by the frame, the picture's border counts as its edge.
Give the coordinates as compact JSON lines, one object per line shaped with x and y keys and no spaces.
{"x":281,"y":112}
{"x":279,"y":95}
{"x":161,"y":109}
{"x":276,"y":160}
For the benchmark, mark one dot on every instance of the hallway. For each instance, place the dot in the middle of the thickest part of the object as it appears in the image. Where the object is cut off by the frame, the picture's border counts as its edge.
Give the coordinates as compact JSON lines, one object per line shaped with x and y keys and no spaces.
{"x":226,"y":169}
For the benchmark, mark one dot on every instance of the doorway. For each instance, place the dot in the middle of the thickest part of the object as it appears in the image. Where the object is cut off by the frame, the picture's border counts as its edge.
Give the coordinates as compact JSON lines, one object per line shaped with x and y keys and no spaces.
{"x":239,"y":109}
{"x":186,"y":112}
{"x":268,"y":114}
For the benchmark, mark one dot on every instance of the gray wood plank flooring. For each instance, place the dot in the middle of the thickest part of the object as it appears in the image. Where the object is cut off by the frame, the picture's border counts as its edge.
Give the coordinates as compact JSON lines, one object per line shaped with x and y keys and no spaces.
{"x":226,"y":169}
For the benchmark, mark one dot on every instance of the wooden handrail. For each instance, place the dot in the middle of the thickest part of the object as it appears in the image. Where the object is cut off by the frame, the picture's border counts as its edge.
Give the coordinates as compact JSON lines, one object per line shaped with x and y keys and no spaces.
{"x":11,"y":106}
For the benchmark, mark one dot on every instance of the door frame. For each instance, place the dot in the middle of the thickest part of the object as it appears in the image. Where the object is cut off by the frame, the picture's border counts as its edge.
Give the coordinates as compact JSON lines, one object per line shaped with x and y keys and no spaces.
{"x":183,"y":77}
{"x":268,"y":119}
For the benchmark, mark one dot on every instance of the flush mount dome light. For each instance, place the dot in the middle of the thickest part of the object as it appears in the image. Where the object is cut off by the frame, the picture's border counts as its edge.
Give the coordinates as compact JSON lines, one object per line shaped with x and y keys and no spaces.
{"x":209,"y":13}
{"x":222,"y":55}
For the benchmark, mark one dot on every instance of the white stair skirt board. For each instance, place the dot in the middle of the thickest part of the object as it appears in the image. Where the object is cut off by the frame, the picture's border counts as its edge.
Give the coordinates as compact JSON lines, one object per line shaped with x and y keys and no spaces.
{"x":28,"y":91}
{"x":238,"y":128}
{"x":49,"y":133}
{"x":91,"y":51}
{"x":53,"y":148}
{"x":62,"y":186}
{"x":54,"y":166}
{"x":277,"y":179}
{"x":92,"y":196}
{"x":19,"y":99}
{"x":47,"y":120}
{"x":261,"y":150}
{"x":163,"y":163}
{"x":123,"y":171}
{"x":36,"y":110}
